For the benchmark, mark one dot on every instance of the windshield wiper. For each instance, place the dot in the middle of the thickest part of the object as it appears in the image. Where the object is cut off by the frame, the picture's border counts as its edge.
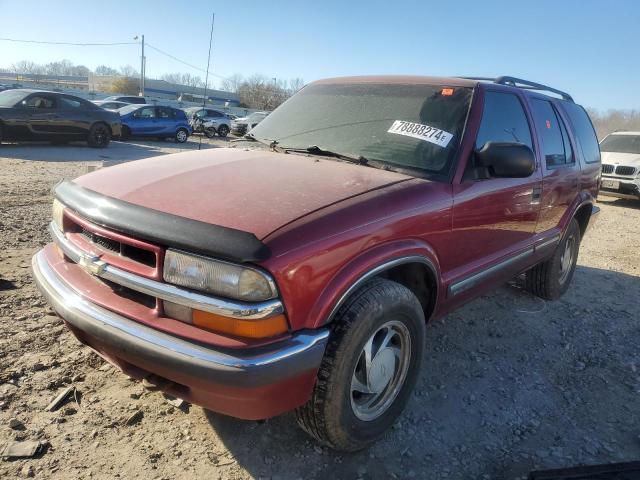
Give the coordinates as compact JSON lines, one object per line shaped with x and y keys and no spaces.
{"x":316,"y":150}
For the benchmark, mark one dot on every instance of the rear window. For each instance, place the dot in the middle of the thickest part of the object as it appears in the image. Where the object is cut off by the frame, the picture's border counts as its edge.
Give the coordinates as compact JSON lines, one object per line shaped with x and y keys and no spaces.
{"x":621,"y":144}
{"x":583,"y":131}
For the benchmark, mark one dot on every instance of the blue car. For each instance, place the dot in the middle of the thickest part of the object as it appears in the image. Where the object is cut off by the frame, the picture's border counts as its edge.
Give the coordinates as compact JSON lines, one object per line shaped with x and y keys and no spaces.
{"x":154,"y":121}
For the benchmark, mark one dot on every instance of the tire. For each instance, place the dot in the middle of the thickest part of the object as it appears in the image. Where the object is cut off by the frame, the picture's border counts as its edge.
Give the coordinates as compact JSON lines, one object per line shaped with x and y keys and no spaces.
{"x":181,"y":135}
{"x":336,"y":413}
{"x":223,"y":131}
{"x":126,"y":133}
{"x":210,"y":132}
{"x":99,"y":136}
{"x":551,"y":278}
{"x":1,"y":134}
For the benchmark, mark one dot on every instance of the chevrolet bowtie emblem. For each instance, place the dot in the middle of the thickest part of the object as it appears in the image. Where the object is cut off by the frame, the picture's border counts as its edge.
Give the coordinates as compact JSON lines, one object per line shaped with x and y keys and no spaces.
{"x":92,"y":264}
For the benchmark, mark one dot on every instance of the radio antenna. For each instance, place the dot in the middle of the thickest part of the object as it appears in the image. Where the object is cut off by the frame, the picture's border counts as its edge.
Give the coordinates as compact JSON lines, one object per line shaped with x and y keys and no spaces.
{"x":206,"y":80}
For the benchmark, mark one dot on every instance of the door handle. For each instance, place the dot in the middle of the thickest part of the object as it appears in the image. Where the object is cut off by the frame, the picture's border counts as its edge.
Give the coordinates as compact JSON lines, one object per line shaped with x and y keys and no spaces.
{"x":536,"y":193}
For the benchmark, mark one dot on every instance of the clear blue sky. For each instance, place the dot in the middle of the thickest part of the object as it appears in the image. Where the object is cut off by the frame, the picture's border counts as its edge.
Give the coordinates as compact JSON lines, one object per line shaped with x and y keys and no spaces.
{"x":589,"y":48}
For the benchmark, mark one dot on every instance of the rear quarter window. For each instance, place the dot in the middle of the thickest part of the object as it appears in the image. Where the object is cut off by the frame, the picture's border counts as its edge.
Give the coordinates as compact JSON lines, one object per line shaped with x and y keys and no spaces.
{"x":583,"y":131}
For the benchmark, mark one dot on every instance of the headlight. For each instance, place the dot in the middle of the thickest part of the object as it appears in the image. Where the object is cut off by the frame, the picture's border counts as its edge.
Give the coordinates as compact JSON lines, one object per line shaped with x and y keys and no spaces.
{"x":218,"y":277}
{"x":57,"y":213}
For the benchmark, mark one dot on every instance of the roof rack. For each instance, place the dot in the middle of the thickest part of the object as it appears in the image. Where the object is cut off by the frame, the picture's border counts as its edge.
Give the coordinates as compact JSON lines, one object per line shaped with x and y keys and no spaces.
{"x":526,"y":84}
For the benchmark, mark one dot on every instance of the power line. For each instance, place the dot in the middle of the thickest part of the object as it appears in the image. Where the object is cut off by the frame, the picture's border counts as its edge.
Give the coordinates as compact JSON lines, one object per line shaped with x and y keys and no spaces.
{"x":162,"y":52}
{"x":183,"y":62}
{"x":67,"y":43}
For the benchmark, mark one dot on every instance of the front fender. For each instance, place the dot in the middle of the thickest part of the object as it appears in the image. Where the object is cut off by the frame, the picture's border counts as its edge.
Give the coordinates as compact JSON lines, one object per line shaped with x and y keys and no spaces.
{"x":366,"y":265}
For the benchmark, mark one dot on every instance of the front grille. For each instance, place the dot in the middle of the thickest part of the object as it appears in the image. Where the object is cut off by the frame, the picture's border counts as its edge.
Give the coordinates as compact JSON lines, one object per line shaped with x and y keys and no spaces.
{"x":624,"y":170}
{"x":133,"y":253}
{"x":607,"y":168}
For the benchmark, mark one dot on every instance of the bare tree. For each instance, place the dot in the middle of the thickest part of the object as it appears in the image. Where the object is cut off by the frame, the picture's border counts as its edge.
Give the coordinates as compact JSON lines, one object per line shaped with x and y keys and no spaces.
{"x":266,"y":93}
{"x":104,"y":70}
{"x":27,"y":66}
{"x":232,"y":83}
{"x":183,"y":79}
{"x":614,"y":120}
{"x":129,"y":71}
{"x":295,"y":84}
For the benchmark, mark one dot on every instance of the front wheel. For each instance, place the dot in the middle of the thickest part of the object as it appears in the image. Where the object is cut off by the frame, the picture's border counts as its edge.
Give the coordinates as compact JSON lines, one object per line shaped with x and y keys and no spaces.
{"x":370,"y":367}
{"x":550,"y":279}
{"x":99,"y":136}
{"x":181,"y":135}
{"x":223,"y":131}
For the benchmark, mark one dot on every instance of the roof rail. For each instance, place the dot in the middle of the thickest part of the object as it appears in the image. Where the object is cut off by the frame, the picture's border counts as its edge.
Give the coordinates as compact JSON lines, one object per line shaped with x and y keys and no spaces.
{"x":526,"y":84}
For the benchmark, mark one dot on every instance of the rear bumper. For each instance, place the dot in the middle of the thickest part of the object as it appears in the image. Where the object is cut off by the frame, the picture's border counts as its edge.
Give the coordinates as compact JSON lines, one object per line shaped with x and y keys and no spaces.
{"x":252,"y":383}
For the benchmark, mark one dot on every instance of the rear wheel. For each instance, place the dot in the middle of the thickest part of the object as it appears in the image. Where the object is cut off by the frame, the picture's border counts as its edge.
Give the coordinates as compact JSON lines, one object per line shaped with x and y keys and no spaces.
{"x":369,"y":369}
{"x":551,"y":279}
{"x":210,"y":132}
{"x":1,"y":134}
{"x":99,"y":136}
{"x":181,"y":135}
{"x":223,"y":131}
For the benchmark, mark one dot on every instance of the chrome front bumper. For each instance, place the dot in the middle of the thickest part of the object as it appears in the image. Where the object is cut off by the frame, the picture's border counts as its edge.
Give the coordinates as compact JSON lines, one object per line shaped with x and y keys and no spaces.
{"x":302,"y":352}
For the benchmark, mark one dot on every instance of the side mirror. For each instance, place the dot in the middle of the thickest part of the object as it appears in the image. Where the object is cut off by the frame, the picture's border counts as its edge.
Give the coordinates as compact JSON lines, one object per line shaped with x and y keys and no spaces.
{"x":508,"y":160}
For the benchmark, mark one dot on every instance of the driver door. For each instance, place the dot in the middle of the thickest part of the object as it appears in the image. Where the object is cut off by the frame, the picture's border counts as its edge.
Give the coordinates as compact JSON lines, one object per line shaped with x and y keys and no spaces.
{"x":43,"y":115}
{"x":494,"y":219}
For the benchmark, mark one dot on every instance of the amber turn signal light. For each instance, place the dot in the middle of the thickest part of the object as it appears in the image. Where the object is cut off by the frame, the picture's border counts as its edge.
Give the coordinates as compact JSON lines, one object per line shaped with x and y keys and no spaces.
{"x":263,"y":328}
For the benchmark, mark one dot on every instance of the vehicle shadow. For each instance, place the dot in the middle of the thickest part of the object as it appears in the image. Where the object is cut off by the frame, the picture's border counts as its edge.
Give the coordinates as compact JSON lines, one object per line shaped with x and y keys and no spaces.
{"x":619,"y":202}
{"x":118,"y":151}
{"x":510,"y":383}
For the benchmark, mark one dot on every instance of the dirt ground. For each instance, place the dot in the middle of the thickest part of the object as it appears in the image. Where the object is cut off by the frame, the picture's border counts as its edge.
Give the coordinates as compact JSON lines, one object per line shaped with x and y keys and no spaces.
{"x":511,"y":383}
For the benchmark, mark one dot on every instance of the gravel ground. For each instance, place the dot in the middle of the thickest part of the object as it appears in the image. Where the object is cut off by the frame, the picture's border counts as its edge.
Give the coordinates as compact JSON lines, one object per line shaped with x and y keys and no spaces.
{"x":511,"y":382}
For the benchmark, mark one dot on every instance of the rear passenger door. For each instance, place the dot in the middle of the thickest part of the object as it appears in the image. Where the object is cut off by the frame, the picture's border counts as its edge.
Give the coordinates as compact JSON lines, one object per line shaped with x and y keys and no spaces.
{"x":166,"y":120}
{"x":494,"y":219}
{"x":560,"y":171}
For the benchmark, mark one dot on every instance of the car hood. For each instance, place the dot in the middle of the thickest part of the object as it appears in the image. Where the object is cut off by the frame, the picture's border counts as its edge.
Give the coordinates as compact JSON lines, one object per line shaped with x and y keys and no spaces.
{"x":615,"y":158}
{"x":249,"y":190}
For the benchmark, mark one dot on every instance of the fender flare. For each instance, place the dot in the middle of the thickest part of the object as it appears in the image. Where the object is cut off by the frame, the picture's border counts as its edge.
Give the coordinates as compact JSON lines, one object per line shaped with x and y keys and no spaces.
{"x":417,"y":253}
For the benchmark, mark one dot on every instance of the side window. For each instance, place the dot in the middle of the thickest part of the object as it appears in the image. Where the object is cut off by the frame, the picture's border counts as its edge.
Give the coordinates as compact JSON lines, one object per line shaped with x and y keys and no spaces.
{"x":164,"y":112}
{"x":146,"y":112}
{"x":584,"y":132}
{"x":555,"y":141}
{"x":41,"y":101}
{"x":213,"y":114}
{"x":503,"y":120}
{"x":70,"y":103}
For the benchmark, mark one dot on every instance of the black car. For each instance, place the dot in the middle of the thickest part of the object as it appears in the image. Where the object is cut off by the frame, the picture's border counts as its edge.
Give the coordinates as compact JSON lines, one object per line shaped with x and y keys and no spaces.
{"x":127,"y":99}
{"x":55,"y":117}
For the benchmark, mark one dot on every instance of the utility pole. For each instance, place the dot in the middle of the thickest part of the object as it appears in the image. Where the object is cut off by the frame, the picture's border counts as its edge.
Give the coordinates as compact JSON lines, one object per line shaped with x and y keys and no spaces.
{"x":143,"y":64}
{"x":142,"y":69}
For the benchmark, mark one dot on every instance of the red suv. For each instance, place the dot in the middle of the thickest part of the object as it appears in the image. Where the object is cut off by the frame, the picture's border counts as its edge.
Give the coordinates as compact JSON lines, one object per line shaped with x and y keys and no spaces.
{"x":298,"y":270}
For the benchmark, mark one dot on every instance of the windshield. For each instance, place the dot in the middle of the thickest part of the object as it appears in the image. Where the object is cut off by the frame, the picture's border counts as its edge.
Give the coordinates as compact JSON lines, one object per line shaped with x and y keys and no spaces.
{"x":9,"y":98}
{"x":621,"y":144}
{"x":415,"y":129}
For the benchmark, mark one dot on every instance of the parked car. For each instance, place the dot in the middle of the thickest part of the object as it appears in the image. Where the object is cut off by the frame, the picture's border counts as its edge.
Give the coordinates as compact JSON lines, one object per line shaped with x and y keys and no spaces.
{"x":298,"y":273}
{"x":214,"y":119}
{"x":110,"y":105}
{"x":129,"y":99}
{"x":154,"y":121}
{"x":621,"y":165}
{"x":242,"y":125}
{"x":36,"y":115}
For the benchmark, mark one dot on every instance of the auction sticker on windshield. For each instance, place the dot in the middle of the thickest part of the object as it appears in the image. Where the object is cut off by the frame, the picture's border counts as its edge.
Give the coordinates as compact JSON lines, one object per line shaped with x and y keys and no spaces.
{"x":421,"y":132}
